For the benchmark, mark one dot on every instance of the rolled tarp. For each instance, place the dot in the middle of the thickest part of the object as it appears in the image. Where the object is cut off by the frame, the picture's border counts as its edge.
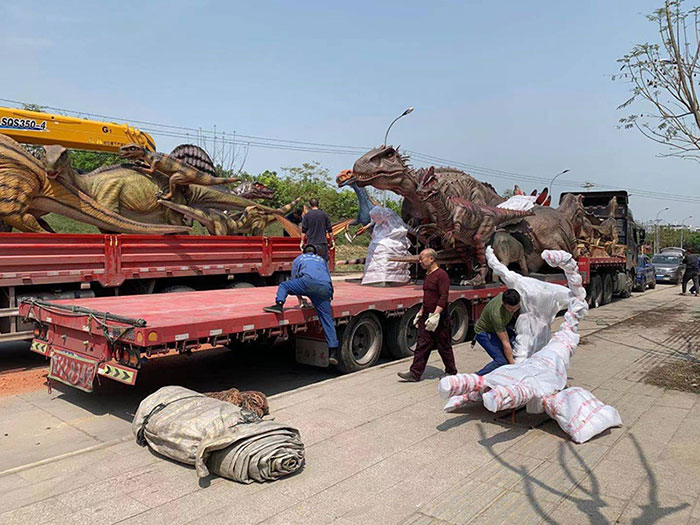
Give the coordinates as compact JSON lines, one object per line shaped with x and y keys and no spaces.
{"x":216,"y":437}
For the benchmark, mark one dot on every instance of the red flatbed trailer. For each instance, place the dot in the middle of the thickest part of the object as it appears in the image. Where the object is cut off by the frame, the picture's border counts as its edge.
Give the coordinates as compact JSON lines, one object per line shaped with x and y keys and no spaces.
{"x":110,"y":336}
{"x":55,"y":266}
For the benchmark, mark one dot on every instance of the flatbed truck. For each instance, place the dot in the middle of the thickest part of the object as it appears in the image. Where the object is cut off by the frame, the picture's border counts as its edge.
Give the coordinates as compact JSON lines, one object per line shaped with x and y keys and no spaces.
{"x":113,"y":337}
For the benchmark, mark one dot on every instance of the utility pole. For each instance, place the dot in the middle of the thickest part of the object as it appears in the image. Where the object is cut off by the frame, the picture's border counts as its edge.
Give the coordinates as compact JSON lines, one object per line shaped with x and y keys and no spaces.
{"x":683,"y":227}
{"x":656,"y":230}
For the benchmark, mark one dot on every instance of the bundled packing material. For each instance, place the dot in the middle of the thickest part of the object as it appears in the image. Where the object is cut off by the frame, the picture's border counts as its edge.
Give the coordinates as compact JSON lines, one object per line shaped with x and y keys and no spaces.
{"x":216,"y":436}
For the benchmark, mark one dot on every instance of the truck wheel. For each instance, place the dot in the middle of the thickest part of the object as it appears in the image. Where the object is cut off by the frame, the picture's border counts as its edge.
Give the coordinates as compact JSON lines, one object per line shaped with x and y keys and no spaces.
{"x":401,"y":336}
{"x":361,"y":344}
{"x":177,"y":288}
{"x":607,"y":289}
{"x":239,"y":284}
{"x":459,"y":314}
{"x":596,"y":292}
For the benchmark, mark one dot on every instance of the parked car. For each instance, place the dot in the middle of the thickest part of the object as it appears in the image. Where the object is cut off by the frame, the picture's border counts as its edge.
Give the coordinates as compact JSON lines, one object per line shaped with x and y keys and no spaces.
{"x":669,"y":267}
{"x":646,"y":274}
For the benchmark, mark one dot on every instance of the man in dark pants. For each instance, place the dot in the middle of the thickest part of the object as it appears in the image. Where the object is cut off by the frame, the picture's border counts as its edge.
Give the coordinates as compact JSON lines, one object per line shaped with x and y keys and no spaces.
{"x":492,"y":330}
{"x":691,"y":272}
{"x":310,"y":278}
{"x":316,"y":229}
{"x":433,"y":320}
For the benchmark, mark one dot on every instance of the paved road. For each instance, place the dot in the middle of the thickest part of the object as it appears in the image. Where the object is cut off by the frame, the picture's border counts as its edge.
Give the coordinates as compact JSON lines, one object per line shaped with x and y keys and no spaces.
{"x":378,"y":451}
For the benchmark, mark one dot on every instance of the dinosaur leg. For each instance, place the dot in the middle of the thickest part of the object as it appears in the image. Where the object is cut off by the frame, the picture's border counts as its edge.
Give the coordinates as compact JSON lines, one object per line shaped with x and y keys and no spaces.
{"x":25,"y":223}
{"x":203,"y":179}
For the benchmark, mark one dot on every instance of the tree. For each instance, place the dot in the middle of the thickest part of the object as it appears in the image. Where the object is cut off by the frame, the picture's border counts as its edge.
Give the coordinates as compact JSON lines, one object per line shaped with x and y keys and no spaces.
{"x":664,"y":75}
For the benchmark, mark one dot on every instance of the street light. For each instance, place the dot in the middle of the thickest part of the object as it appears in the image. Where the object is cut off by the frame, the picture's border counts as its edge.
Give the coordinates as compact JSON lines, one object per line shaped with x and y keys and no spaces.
{"x":683,"y":228}
{"x":656,"y":241}
{"x":551,"y":184}
{"x":408,"y":111}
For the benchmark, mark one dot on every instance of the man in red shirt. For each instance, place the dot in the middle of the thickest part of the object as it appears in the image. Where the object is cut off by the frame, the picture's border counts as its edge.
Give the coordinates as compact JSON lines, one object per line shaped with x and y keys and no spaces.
{"x":433,"y":320}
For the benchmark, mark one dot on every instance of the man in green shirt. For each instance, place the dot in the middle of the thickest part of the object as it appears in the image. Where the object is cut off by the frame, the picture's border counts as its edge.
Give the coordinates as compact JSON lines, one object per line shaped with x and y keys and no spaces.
{"x":493,"y":332}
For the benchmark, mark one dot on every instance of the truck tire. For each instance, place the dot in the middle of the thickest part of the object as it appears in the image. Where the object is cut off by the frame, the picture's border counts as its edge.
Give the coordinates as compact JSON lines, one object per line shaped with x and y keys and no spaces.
{"x":177,"y":288}
{"x":361,"y":343}
{"x":607,"y":289}
{"x":401,"y":336}
{"x":239,"y":284}
{"x":459,"y":314}
{"x":596,"y":295}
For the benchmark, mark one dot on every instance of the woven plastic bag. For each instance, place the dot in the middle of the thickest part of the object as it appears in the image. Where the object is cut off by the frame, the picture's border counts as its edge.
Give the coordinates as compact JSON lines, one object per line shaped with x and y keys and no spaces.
{"x":389,"y":239}
{"x":216,"y":436}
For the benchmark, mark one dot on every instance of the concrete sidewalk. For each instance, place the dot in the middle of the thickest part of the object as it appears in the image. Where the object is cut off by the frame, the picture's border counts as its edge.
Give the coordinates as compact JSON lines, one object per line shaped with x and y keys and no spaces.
{"x":381,"y":451}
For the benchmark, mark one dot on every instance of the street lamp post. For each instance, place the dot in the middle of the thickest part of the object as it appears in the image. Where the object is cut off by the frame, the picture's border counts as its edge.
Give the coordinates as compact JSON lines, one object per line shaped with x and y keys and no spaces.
{"x":386,"y":135}
{"x":551,"y":184}
{"x":683,"y":228}
{"x":656,"y":241}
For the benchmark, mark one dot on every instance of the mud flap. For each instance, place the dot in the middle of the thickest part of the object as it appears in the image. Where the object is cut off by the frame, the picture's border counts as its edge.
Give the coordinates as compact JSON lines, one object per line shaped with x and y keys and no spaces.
{"x":311,"y":348}
{"x":73,"y":370}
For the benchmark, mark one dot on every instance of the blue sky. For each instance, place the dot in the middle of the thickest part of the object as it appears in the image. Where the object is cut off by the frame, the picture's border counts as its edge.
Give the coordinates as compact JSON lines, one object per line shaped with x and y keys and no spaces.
{"x":521,"y":87}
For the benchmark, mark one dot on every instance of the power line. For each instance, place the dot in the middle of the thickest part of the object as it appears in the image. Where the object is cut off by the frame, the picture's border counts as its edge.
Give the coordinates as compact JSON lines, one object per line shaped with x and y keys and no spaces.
{"x":190,"y":134}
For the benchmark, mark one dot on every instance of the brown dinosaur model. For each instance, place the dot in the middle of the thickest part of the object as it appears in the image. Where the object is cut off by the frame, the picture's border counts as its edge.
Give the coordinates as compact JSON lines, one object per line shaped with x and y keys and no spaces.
{"x":28,"y":193}
{"x":129,"y":191}
{"x":252,"y":220}
{"x":386,"y":169}
{"x":249,"y":189}
{"x":465,"y":222}
{"x":509,"y":250}
{"x":178,"y":172}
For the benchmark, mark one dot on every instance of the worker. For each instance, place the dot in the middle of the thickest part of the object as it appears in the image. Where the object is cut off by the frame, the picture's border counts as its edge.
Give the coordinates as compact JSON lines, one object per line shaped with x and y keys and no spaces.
{"x":492,"y":330}
{"x":691,"y":272}
{"x":294,"y":217}
{"x":316,"y":229}
{"x":311,"y":278}
{"x":432,"y":320}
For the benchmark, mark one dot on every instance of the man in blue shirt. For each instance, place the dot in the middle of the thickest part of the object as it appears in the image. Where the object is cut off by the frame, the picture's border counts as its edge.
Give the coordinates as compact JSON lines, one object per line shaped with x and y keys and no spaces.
{"x":310,"y":278}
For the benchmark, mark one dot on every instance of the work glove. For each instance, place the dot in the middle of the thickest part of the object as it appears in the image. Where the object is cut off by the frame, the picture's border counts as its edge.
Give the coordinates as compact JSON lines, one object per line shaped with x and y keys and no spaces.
{"x":431,"y":323}
{"x":416,"y":319}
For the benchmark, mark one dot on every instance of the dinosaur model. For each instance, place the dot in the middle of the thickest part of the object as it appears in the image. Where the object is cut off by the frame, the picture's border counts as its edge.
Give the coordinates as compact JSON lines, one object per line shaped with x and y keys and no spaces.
{"x":509,"y":250}
{"x":28,"y":193}
{"x":249,"y":189}
{"x":465,"y":222}
{"x":179,"y":172}
{"x":252,"y":220}
{"x":127,"y":190}
{"x":386,"y":169}
{"x":364,"y":202}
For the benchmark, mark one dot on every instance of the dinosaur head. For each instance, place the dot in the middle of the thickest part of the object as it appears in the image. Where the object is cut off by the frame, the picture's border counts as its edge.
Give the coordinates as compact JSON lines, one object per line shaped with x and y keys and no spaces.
{"x":345,"y":178}
{"x":254,"y":190}
{"x":384,"y":168}
{"x":56,"y":162}
{"x":132,"y":151}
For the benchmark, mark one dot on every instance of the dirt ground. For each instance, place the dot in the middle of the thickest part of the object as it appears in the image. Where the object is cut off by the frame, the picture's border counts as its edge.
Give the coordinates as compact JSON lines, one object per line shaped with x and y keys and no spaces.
{"x":684,"y":376}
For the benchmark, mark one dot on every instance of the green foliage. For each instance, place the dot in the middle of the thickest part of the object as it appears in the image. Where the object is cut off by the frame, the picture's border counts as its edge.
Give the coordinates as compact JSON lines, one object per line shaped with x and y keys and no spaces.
{"x":85,"y":161}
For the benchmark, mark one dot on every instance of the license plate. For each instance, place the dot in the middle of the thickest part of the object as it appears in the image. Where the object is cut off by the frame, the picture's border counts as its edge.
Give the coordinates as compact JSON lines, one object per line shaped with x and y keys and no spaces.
{"x":73,"y":370}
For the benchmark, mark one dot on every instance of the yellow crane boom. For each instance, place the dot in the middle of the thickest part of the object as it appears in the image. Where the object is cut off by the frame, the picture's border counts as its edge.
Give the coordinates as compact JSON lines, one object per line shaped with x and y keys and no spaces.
{"x":35,"y":127}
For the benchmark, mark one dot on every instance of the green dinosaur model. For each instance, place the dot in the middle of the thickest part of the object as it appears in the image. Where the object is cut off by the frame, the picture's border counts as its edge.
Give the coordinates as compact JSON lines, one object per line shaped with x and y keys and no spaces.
{"x":179,"y":172}
{"x":28,"y":193}
{"x":127,"y":190}
{"x":252,"y":220}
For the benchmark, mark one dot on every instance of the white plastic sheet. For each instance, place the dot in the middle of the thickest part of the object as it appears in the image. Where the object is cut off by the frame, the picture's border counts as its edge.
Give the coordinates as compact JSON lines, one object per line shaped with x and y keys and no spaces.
{"x":540,"y":302}
{"x":389,"y":239}
{"x":540,"y":380}
{"x":519,"y":202}
{"x":580,"y":414}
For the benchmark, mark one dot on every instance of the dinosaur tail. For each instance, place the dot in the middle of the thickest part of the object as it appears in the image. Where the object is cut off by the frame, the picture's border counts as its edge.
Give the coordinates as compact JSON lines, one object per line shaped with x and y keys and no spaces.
{"x":71,"y":202}
{"x":193,"y":213}
{"x":284,"y":210}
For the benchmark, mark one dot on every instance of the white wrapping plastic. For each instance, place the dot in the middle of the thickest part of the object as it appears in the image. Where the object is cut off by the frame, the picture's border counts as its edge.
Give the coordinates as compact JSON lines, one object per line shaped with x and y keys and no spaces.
{"x":540,"y":302}
{"x":519,"y":202}
{"x":580,"y":414}
{"x":389,"y":239}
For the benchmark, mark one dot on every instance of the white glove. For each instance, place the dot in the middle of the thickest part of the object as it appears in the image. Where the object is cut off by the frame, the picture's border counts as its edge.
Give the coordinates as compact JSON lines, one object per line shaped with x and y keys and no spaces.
{"x":431,"y":323}
{"x":416,"y":319}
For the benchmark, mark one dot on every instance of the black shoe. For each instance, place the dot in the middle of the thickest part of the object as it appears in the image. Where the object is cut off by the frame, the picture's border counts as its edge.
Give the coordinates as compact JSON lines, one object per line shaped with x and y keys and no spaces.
{"x":333,"y":356}
{"x":408,"y":377}
{"x":277,"y":308}
{"x":448,"y":374}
